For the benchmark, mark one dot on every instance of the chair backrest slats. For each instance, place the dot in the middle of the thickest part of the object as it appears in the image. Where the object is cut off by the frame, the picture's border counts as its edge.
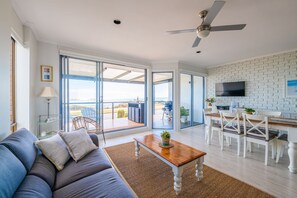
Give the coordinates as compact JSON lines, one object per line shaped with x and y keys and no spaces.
{"x":84,"y":122}
{"x":230,"y":121}
{"x":257,"y":124}
{"x":205,"y":112}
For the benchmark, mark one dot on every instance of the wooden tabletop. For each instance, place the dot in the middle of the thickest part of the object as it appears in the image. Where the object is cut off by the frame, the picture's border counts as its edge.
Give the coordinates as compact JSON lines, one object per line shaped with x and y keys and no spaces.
{"x":273,"y":121}
{"x":178,"y":155}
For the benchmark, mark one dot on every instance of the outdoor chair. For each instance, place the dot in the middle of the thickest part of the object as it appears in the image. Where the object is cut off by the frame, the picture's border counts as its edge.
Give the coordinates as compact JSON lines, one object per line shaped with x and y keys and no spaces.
{"x":89,"y":124}
{"x":167,"y":110}
{"x":88,"y":113}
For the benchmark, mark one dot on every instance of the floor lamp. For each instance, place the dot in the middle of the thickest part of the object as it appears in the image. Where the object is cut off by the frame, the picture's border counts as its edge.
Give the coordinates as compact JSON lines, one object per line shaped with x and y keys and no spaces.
{"x":48,"y":93}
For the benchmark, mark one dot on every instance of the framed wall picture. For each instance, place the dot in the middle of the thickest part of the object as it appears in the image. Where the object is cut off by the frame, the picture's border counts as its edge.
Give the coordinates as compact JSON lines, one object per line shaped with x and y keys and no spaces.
{"x":291,"y":87}
{"x":46,"y":73}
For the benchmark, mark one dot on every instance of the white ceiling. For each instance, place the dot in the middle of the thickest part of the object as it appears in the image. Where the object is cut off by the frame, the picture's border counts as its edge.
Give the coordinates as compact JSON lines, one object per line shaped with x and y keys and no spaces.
{"x":88,"y":24}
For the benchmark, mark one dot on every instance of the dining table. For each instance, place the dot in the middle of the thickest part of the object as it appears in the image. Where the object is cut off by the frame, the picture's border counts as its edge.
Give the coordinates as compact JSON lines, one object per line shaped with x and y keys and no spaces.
{"x":283,"y":124}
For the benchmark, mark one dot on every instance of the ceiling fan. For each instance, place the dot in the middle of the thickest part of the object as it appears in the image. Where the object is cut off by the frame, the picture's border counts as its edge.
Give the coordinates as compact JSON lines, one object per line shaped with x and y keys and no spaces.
{"x":205,"y":28}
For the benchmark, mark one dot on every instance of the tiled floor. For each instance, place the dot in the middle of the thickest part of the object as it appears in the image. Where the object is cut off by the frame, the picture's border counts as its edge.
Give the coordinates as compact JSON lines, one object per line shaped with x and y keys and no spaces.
{"x":274,"y":178}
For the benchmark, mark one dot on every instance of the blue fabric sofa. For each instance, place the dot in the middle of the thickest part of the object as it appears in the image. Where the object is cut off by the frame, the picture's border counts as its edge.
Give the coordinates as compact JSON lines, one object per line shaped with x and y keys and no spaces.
{"x":25,"y":172}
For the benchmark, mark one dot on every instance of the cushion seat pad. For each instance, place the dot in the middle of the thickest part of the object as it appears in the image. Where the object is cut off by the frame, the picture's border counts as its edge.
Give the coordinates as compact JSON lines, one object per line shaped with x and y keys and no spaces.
{"x":33,"y":186}
{"x":92,"y":163}
{"x":271,"y":136}
{"x":283,"y":137}
{"x":44,"y":169}
{"x":226,"y":130}
{"x":106,"y":183}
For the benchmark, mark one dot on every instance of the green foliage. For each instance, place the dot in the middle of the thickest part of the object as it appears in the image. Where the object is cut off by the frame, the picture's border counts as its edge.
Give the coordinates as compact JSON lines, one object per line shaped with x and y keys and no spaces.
{"x":184,"y":111}
{"x":165,"y":135}
{"x":121,"y":113}
{"x":249,"y":110}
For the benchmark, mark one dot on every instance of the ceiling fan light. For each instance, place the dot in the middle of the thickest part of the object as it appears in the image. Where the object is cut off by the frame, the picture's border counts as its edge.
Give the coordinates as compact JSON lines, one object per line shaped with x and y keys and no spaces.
{"x":203,"y":33}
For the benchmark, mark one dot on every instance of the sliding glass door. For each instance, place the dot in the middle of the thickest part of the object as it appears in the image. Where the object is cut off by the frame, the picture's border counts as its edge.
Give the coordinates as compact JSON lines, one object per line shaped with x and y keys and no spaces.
{"x":80,"y":89}
{"x":191,"y":100}
{"x":185,"y":100}
{"x":162,"y":100}
{"x":113,"y":95}
{"x":124,"y":97}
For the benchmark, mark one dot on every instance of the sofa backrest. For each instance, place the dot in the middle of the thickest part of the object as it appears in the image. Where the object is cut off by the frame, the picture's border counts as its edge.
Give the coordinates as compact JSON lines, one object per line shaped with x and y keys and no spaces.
{"x":12,"y":172}
{"x":21,"y":144}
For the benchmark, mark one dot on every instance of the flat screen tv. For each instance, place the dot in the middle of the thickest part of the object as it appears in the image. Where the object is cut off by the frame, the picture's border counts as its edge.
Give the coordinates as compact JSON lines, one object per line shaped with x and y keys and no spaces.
{"x":230,"y":89}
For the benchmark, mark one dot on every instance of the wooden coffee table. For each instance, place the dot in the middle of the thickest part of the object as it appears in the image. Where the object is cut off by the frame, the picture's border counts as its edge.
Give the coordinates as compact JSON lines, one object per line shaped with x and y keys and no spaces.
{"x":177,"y":157}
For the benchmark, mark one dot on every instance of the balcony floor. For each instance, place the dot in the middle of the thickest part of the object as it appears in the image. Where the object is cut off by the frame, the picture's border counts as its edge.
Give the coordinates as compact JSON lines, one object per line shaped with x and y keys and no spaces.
{"x":119,"y":123}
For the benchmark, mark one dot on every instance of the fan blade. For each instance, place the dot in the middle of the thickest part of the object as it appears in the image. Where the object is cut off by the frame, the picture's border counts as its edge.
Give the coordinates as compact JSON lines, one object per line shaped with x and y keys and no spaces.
{"x":213,"y":11}
{"x":181,"y":31}
{"x":196,"y":42}
{"x":227,"y":27}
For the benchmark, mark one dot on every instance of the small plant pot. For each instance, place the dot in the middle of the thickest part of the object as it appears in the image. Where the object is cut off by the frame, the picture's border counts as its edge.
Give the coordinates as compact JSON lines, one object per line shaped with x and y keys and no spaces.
{"x":184,"y":119}
{"x":165,"y":142}
{"x":209,"y":104}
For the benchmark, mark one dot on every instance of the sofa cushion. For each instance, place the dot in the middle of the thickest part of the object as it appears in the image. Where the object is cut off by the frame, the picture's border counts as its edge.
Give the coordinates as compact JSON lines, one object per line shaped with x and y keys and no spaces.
{"x":21,"y":144}
{"x":12,"y":172}
{"x":92,"y":163}
{"x":78,"y":142}
{"x":94,"y":138}
{"x":106,"y":183}
{"x":44,"y":169}
{"x":55,"y":150}
{"x":33,"y":186}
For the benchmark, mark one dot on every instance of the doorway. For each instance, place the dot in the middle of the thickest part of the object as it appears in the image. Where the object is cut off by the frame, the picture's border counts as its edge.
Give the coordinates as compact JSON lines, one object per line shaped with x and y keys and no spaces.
{"x":162,"y":100}
{"x":191,"y":100}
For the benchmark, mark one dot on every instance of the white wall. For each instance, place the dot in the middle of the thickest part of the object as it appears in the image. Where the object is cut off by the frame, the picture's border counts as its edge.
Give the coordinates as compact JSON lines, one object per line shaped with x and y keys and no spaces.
{"x":48,"y":54}
{"x":16,"y":27}
{"x":5,"y":17}
{"x":31,"y":45}
{"x":265,"y":81}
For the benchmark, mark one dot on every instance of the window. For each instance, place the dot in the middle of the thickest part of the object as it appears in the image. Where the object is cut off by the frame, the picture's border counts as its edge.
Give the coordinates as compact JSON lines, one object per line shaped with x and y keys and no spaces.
{"x":113,"y":95}
{"x":12,"y":87}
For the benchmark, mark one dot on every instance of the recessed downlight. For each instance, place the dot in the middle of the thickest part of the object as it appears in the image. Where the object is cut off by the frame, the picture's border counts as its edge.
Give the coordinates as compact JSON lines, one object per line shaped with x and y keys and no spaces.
{"x":198,"y":52}
{"x":117,"y":21}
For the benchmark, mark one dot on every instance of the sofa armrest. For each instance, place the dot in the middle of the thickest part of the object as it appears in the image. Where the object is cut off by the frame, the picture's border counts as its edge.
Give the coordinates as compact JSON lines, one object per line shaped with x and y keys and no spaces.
{"x":94,"y":138}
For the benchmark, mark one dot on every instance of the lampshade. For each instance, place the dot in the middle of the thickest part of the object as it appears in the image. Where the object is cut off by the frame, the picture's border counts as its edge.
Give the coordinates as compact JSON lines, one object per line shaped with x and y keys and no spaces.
{"x":48,"y":92}
{"x":203,"y":33}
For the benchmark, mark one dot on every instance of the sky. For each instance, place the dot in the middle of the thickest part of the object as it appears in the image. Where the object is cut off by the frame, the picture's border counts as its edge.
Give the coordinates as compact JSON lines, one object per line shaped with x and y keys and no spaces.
{"x":86,"y":91}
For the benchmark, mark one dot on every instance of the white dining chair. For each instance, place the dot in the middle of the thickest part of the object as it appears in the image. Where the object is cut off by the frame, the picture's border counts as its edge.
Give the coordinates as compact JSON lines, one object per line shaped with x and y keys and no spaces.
{"x":216,"y":127}
{"x":281,"y":144}
{"x":256,"y":131}
{"x":230,"y":128}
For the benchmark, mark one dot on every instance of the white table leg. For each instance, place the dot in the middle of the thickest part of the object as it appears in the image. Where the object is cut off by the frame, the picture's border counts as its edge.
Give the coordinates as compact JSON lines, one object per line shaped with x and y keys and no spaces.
{"x":292,"y":152}
{"x":206,"y":132}
{"x":136,"y":150}
{"x":199,"y":168}
{"x":208,"y":135}
{"x":178,"y":171}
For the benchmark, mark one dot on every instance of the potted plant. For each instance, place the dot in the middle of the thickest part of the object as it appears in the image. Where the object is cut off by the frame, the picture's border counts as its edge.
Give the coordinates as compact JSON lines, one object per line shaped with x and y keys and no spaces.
{"x":249,"y":110}
{"x":184,"y":113}
{"x":210,"y":101}
{"x":165,"y":135}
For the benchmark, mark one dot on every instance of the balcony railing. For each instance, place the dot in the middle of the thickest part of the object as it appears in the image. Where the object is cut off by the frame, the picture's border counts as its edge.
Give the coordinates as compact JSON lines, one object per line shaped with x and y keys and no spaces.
{"x":115,"y":114}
